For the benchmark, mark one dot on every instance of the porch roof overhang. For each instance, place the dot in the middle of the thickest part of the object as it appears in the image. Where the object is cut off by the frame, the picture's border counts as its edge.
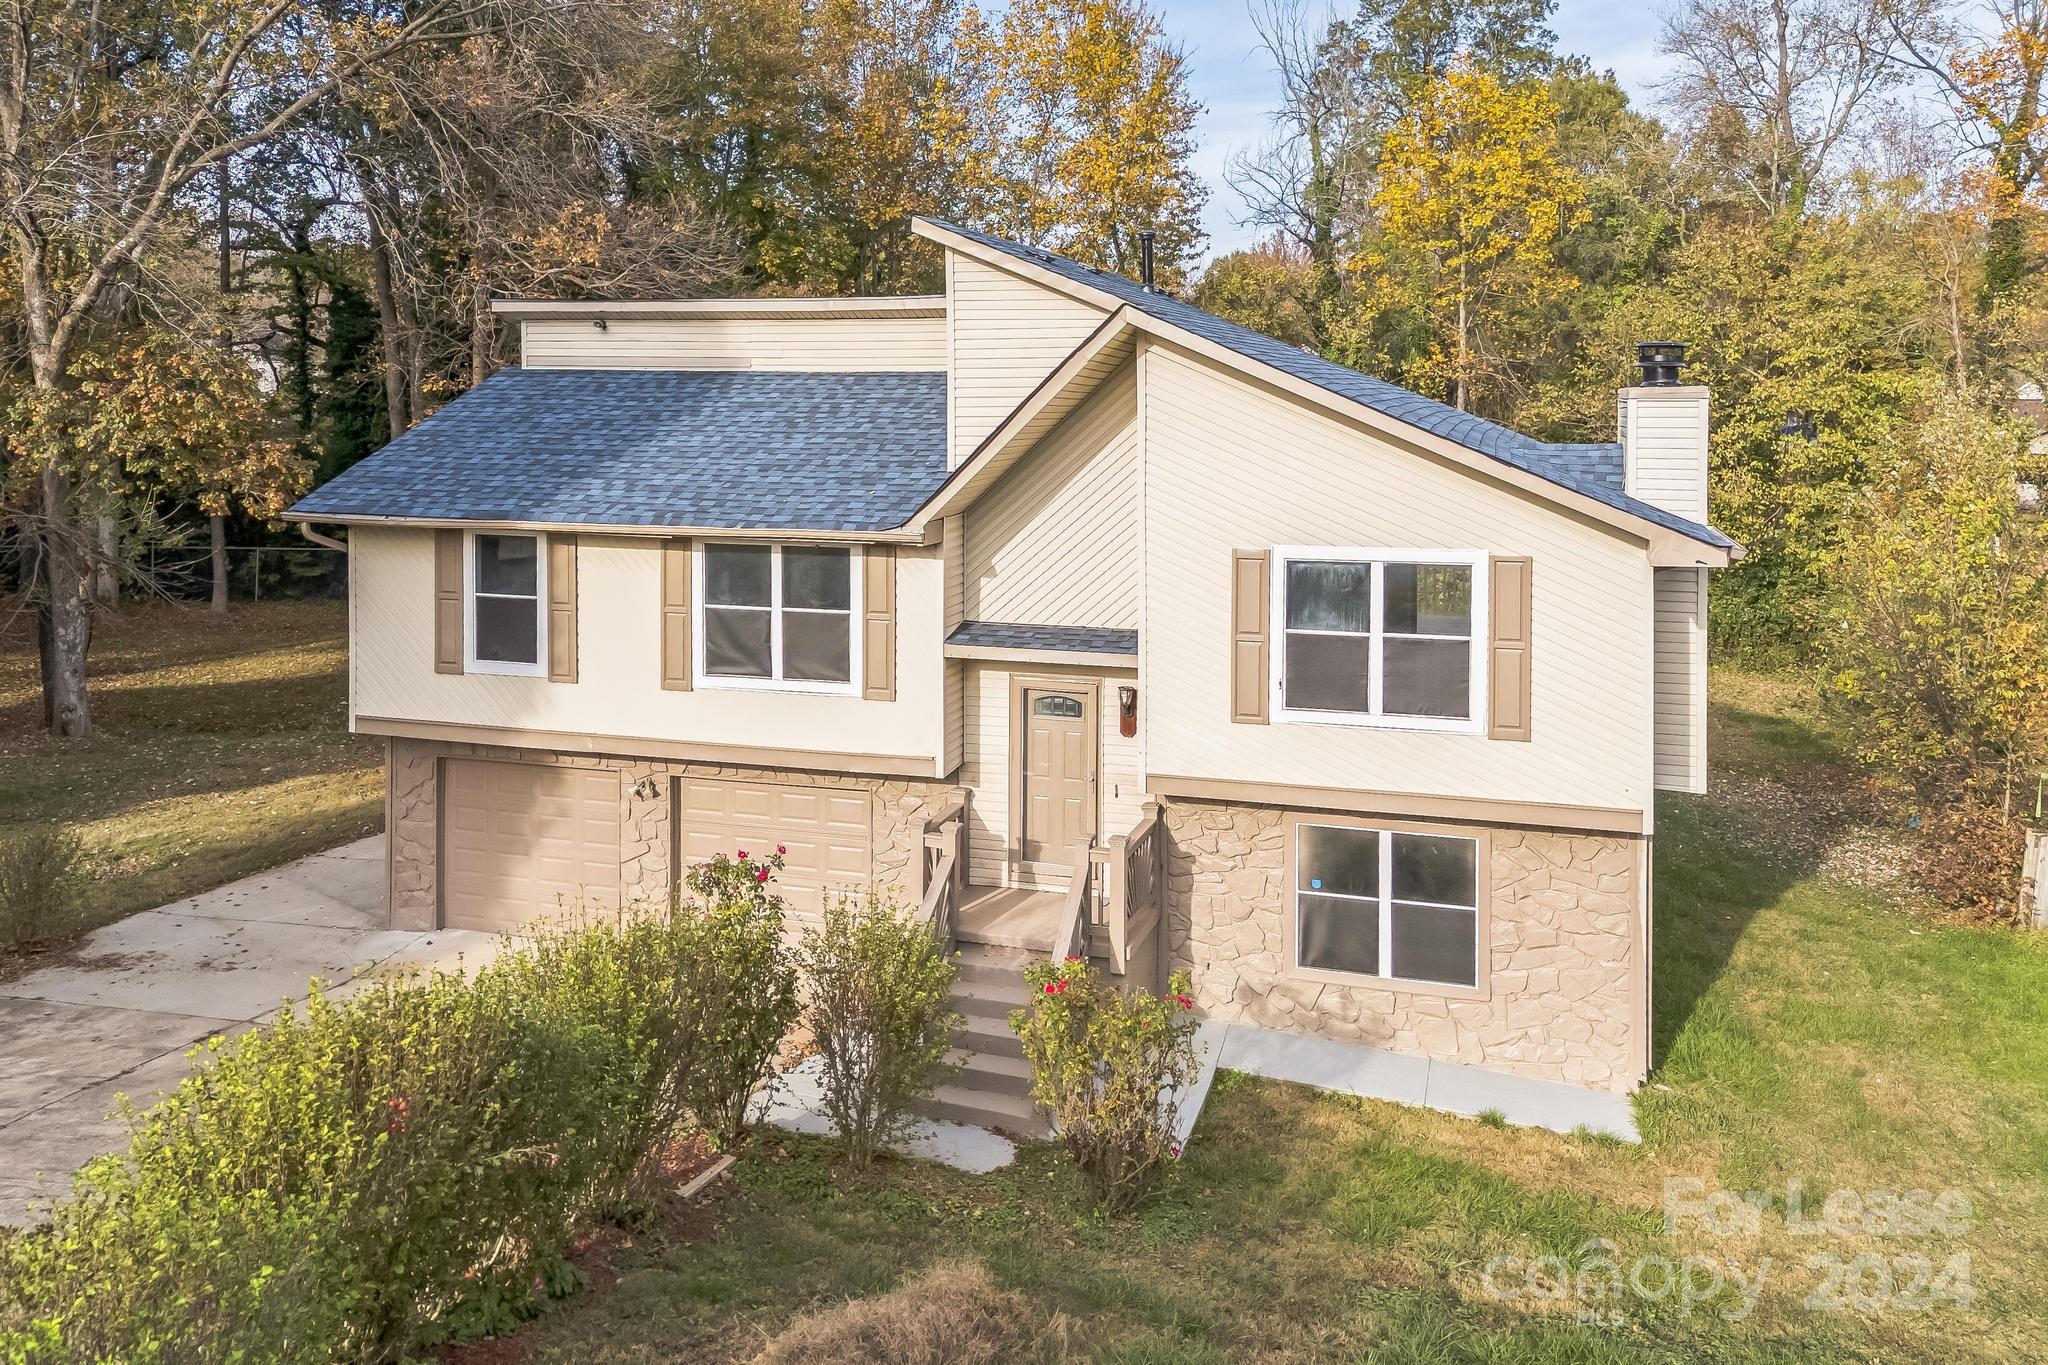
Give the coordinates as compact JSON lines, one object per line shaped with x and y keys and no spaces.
{"x":1069,"y":646}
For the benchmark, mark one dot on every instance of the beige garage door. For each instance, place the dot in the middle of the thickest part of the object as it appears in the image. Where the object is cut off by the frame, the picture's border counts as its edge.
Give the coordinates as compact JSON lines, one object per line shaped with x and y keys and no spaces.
{"x":520,"y":840}
{"x":829,"y":834}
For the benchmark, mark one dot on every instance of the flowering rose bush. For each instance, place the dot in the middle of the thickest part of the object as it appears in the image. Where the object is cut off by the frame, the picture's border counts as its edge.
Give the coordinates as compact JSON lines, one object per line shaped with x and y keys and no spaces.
{"x":741,"y":987}
{"x":1108,"y":1068}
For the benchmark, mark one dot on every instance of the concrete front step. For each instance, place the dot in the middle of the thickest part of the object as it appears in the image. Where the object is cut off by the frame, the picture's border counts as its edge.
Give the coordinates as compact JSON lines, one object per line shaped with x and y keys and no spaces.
{"x":990,"y":1071}
{"x":976,"y":964}
{"x":985,"y":1033}
{"x":990,"y":1002}
{"x":987,"y":1109}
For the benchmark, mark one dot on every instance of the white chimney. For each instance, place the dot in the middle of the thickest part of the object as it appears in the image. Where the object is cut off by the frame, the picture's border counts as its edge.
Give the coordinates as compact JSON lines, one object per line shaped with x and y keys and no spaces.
{"x":1663,"y":428}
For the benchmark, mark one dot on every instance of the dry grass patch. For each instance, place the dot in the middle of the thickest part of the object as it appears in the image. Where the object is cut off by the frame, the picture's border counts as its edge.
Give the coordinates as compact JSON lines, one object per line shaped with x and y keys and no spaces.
{"x":951,"y":1314}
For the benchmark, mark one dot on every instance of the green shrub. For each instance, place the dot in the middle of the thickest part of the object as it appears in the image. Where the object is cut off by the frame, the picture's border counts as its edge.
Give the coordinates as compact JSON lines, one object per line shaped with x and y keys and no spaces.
{"x":740,"y":989}
{"x":1108,"y":1067}
{"x":41,"y":868}
{"x":881,"y":1013}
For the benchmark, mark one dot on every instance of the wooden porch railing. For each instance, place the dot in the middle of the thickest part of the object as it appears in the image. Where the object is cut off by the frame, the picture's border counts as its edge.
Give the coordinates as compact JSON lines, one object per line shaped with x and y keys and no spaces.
{"x":1070,"y":937}
{"x":1128,"y":905}
{"x":942,"y":866}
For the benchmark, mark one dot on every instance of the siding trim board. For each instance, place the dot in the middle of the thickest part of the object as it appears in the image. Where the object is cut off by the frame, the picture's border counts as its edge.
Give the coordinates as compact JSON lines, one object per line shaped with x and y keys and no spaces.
{"x":1400,"y":805}
{"x":637,"y":746}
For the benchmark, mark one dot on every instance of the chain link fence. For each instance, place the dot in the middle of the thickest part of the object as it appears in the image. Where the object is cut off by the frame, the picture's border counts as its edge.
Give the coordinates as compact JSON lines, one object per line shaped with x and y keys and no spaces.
{"x":184,"y":573}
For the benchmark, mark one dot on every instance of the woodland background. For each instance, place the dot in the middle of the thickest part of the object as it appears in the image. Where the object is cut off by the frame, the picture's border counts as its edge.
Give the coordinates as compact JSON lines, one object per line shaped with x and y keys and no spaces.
{"x":249,"y":241}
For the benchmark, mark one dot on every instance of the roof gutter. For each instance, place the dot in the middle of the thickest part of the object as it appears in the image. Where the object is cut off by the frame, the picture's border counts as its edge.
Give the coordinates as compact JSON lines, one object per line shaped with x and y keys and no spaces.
{"x":780,"y":534}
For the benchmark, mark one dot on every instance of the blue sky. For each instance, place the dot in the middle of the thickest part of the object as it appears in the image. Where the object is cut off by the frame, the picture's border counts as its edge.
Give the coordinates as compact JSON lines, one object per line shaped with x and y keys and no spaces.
{"x":1234,"y":79}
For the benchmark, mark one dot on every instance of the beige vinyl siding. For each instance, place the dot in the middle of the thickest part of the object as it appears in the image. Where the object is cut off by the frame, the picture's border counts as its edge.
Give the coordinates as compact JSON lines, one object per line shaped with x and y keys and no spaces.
{"x":985,"y":763}
{"x":1056,"y":541}
{"x":620,"y":693}
{"x":1230,"y":465}
{"x":1007,"y":334}
{"x":1682,"y":680}
{"x":1665,"y":434}
{"x":736,"y":344}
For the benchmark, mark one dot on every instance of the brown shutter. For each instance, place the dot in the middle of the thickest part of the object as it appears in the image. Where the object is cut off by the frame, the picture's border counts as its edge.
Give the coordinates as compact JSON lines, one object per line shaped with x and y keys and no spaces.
{"x":448,"y":649}
{"x":1248,"y":673}
{"x":676,"y":644}
{"x":878,"y":609}
{"x":1508,"y":665}
{"x":562,"y":651}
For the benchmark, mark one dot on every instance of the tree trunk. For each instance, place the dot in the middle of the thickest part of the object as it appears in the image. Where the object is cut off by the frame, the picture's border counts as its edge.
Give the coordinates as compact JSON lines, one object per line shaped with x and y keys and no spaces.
{"x":483,"y":331}
{"x":1458,"y":384}
{"x":387,"y":317}
{"x":106,"y":578}
{"x":70,"y":613}
{"x":218,"y":527}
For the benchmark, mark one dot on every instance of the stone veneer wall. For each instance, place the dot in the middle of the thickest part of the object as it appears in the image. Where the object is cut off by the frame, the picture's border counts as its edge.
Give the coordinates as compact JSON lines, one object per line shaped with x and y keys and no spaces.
{"x":1568,"y":985}
{"x":412,"y":818}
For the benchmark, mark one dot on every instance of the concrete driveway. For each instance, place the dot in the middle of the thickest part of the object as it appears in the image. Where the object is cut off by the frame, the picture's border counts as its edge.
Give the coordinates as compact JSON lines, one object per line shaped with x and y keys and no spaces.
{"x":116,"y":1012}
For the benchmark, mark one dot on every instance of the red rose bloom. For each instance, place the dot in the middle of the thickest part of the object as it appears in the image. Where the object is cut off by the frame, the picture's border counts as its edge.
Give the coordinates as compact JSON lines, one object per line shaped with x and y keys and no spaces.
{"x":762,"y":875}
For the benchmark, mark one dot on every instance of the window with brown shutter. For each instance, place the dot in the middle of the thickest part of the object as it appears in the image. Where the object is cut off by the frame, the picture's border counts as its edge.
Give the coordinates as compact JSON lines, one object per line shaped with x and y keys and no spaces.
{"x":1508,"y":674}
{"x":448,"y":647}
{"x":676,"y":643}
{"x":1248,"y":609}
{"x":878,"y":610}
{"x":562,"y":644}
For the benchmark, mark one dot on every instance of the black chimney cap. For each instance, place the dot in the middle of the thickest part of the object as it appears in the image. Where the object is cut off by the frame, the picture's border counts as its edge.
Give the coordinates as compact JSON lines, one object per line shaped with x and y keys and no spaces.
{"x":1660,"y":362}
{"x":1145,"y":238}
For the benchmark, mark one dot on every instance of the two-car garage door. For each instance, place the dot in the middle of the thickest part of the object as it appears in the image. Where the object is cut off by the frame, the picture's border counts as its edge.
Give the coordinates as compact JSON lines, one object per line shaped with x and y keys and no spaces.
{"x":521,"y":840}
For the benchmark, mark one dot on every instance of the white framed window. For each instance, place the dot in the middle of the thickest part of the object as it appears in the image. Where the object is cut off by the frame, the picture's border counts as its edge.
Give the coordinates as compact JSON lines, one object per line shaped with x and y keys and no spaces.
{"x":505,"y":593}
{"x":1394,"y":904}
{"x":1380,"y":637}
{"x":778,"y":617}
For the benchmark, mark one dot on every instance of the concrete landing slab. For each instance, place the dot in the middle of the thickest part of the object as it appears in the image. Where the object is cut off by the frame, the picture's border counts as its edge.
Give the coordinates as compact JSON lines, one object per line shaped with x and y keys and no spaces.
{"x":797,"y":1106}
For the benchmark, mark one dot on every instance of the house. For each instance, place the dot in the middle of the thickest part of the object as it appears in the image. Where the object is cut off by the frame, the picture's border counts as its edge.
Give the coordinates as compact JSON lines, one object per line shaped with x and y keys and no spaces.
{"x":1083,"y":617}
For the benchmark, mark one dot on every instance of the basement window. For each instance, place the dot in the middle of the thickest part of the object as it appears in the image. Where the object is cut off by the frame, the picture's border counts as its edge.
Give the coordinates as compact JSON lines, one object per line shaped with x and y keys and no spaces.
{"x":1386,"y":903}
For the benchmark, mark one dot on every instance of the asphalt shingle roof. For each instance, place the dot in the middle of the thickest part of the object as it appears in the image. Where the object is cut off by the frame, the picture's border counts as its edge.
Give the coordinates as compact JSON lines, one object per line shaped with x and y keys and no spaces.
{"x":730,"y":450}
{"x":1080,"y":639}
{"x":1594,"y":470}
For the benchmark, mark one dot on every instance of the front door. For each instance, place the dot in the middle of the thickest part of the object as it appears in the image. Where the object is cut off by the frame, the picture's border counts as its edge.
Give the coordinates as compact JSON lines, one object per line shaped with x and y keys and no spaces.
{"x":1057,"y":771}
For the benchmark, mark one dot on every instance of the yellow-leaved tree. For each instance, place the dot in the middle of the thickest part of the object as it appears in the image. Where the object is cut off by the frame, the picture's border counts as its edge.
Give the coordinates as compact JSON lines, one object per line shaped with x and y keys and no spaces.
{"x":1074,"y":129}
{"x":1472,"y":197}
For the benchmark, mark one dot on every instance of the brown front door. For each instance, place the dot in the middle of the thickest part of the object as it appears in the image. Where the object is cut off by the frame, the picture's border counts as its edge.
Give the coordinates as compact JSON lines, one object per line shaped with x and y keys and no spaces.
{"x":1058,"y":776}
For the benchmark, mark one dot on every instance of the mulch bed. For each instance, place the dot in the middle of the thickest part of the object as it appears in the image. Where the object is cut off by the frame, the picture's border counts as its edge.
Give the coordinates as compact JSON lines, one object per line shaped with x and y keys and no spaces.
{"x":684,"y":1161}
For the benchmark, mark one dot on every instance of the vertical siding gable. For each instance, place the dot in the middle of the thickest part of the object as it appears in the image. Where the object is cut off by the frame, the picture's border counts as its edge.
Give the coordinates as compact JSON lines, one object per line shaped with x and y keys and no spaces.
{"x":1681,"y":647}
{"x":1055,"y":541}
{"x":1008,"y":333}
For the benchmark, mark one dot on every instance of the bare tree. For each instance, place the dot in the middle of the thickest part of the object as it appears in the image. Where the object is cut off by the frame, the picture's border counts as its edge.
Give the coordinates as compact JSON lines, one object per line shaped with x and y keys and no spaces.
{"x":1313,"y":163}
{"x":1796,"y":74}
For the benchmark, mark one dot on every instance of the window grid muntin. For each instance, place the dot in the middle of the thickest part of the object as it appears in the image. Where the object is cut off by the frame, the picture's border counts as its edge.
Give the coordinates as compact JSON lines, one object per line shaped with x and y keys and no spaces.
{"x":473,"y":662}
{"x":1478,"y":605}
{"x":774,"y":680}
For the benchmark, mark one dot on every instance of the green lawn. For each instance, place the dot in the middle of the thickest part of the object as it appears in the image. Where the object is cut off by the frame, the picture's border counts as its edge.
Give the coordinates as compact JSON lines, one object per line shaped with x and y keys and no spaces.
{"x":1807,"y":1030}
{"x":221,"y":749}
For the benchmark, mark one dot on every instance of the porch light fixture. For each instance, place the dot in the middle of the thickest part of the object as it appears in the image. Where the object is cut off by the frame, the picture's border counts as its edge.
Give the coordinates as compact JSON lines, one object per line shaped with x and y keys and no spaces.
{"x":1127,"y":712}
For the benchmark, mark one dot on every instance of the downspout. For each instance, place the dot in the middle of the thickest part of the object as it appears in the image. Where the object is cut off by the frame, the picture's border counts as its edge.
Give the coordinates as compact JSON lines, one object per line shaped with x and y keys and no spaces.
{"x":324,"y":542}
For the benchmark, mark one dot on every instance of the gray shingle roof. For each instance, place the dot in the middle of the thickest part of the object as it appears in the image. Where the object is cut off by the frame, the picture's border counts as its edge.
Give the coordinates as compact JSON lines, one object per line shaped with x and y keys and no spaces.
{"x":1592,"y":470}
{"x":1078,"y":639}
{"x":747,"y":449}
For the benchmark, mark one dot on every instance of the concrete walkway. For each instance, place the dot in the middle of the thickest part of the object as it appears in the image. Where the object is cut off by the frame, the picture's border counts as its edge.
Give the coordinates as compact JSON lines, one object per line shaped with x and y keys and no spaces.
{"x":116,"y":1012}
